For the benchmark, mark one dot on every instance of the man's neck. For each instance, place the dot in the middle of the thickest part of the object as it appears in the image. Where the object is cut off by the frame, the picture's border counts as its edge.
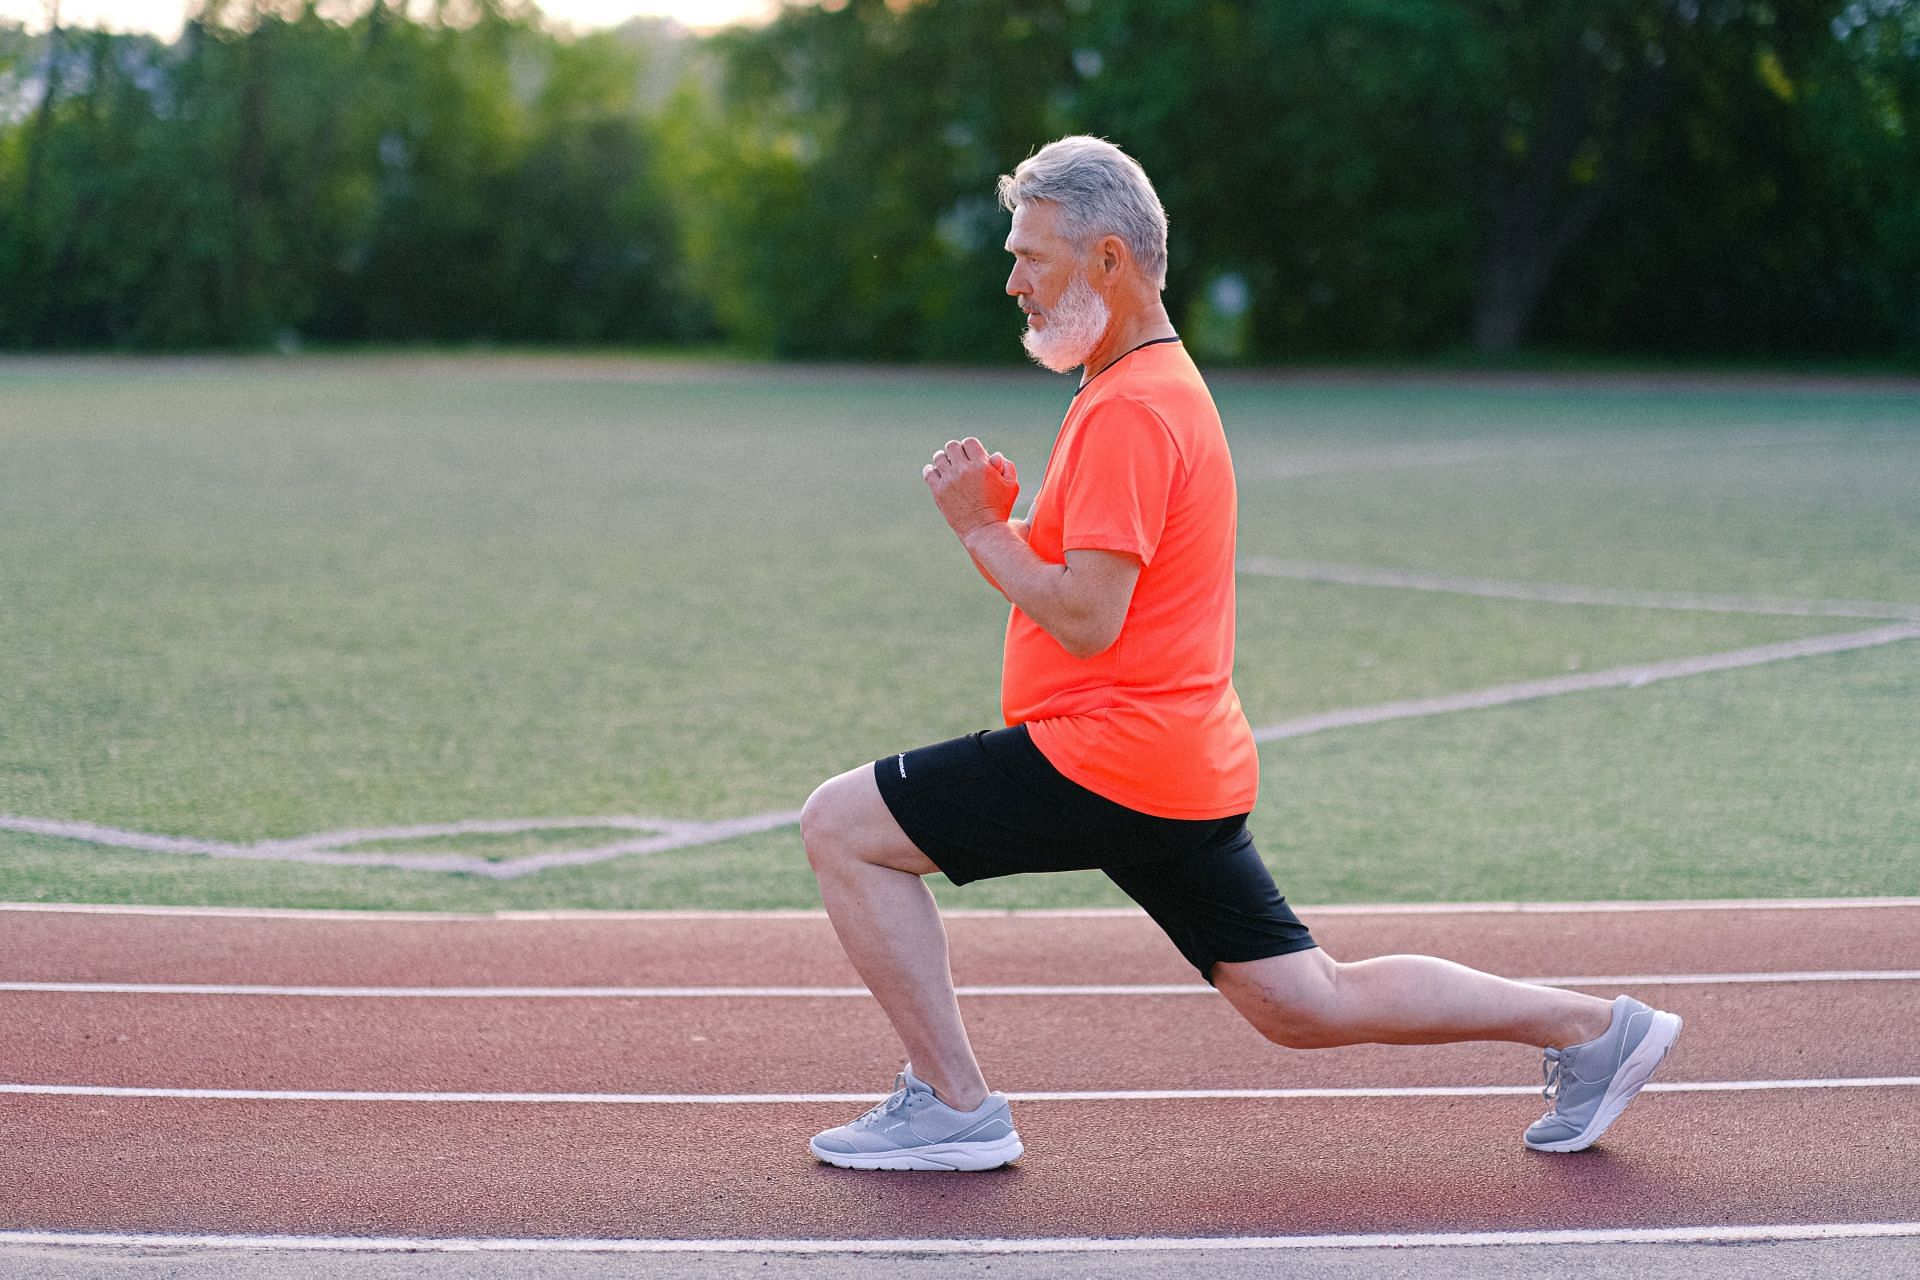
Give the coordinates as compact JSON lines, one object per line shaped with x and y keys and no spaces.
{"x":1149,"y":324}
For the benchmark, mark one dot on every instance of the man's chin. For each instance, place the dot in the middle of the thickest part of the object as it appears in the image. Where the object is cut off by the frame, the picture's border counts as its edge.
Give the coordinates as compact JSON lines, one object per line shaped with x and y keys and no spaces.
{"x":1048,"y":356}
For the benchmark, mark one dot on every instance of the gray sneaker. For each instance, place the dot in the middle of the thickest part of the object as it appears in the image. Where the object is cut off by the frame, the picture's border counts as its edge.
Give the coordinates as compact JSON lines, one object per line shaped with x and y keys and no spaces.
{"x":1591,"y":1084}
{"x":913,"y":1129}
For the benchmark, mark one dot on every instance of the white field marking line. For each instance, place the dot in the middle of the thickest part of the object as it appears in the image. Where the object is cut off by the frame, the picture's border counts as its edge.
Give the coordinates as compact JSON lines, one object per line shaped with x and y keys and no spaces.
{"x":1119,"y":990}
{"x":673,"y":834}
{"x":1762,"y":1233}
{"x":329,"y":848}
{"x":800,"y":1099}
{"x":347,"y":915}
{"x":1449,"y":453}
{"x":1552,"y":593}
{"x":1630,"y":677}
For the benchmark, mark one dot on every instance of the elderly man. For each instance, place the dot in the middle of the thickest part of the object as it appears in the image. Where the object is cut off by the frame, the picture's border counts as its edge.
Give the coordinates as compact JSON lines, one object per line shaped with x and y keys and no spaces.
{"x":1126,"y":748}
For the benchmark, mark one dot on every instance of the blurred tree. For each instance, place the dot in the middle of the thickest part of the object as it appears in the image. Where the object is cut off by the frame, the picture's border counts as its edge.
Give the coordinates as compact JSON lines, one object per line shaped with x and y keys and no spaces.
{"x":1656,"y":152}
{"x":1578,"y":86}
{"x":589,"y":252}
{"x":1863,"y":124}
{"x":37,"y":138}
{"x":840,"y":196}
{"x":464,"y":175}
{"x":1395,"y":174}
{"x":1318,"y":152}
{"x":1341,"y":175}
{"x":1780,"y":213}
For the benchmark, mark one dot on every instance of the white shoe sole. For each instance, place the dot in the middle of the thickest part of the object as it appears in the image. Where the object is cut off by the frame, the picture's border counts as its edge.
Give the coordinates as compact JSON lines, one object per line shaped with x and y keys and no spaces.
{"x":951,"y":1157}
{"x":1627,"y":1082}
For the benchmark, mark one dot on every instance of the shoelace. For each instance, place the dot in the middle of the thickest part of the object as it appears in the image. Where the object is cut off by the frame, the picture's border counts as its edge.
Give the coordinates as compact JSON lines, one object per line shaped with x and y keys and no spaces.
{"x":1550,"y":1073}
{"x":893,"y":1102}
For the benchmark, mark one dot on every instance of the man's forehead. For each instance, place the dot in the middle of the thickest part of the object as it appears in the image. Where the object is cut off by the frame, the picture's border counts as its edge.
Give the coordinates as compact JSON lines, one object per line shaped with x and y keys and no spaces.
{"x":1033,"y":225}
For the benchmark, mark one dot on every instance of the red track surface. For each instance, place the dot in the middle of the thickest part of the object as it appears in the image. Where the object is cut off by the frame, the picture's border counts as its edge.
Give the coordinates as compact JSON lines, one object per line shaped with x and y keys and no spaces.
{"x":1107,"y":1167}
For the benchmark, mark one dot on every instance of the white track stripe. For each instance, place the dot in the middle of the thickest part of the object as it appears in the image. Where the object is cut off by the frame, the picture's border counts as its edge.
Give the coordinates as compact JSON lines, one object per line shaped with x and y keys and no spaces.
{"x":346,"y":915}
{"x":1353,"y":575}
{"x":794,"y":1099}
{"x":1600,"y":908}
{"x":1762,"y":1233}
{"x":1115,"y":990}
{"x":1630,"y":677}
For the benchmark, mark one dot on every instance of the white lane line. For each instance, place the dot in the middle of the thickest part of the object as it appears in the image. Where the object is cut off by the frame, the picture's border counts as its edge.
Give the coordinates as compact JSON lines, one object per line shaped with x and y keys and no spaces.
{"x":345,"y":915}
{"x":793,"y":1099}
{"x":1757,"y":1233}
{"x":1603,"y":908}
{"x":1112,"y":990}
{"x":1550,"y":593}
{"x":1729,"y":979}
{"x":1630,"y":677}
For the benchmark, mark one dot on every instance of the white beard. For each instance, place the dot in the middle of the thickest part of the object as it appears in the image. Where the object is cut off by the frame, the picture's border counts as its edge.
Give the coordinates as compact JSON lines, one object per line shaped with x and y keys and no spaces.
{"x":1075,"y":326}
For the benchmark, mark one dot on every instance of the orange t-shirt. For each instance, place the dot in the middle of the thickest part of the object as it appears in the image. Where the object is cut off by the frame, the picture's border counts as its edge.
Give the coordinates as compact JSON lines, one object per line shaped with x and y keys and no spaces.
{"x":1141,"y":467}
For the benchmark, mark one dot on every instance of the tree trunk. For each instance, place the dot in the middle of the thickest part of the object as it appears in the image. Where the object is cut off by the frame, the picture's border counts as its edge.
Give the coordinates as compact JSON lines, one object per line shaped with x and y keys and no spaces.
{"x":42,"y":121}
{"x":242,"y":320}
{"x":1508,"y":296}
{"x":1536,"y":212}
{"x":1532,"y":231}
{"x":33,"y":317}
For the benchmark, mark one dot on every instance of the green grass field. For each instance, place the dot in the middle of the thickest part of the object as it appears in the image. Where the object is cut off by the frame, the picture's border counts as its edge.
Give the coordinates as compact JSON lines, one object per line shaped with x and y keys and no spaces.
{"x":243,"y":601}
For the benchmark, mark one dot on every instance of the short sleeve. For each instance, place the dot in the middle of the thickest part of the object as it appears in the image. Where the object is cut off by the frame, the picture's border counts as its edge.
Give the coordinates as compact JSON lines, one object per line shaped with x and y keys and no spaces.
{"x":1120,"y":481}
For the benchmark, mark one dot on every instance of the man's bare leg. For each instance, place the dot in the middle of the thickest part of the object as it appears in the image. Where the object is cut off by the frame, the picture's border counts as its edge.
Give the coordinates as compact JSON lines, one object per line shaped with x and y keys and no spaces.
{"x":1307,"y":1000}
{"x":869,"y":874}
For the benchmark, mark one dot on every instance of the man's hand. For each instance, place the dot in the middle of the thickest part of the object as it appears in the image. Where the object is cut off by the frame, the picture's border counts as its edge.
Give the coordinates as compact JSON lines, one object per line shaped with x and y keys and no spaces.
{"x":1082,"y":603}
{"x":971,"y":487}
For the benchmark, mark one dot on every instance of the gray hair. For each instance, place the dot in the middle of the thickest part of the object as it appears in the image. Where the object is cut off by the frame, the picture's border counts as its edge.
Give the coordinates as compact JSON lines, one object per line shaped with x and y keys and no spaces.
{"x":1101,"y":190}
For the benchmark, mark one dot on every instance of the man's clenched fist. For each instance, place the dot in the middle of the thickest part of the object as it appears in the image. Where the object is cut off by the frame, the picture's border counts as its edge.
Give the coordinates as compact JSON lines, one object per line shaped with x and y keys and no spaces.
{"x":971,"y":487}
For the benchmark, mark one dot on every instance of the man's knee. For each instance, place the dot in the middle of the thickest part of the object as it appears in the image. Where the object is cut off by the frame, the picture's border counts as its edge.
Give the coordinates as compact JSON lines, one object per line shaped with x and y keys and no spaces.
{"x":1292,"y":1025}
{"x":820,"y":820}
{"x":846,"y":824}
{"x":1288,"y":999}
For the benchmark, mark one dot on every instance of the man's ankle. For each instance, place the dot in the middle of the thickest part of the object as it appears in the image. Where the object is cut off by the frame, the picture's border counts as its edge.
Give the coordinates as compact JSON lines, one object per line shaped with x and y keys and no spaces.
{"x":1592,"y":1025}
{"x":958,"y":1099}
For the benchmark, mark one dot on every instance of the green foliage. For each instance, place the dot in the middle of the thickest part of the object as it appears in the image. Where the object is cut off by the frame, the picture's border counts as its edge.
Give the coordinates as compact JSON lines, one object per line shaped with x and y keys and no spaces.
{"x":389,"y":178}
{"x":1373,"y":175}
{"x":845,"y":174}
{"x":1608,"y":173}
{"x":1776,"y":205}
{"x":1726,"y":177}
{"x":1317,"y":149}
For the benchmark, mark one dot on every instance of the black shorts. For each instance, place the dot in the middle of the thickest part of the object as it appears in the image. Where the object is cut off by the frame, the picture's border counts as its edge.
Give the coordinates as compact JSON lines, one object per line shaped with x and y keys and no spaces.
{"x":990,"y":804}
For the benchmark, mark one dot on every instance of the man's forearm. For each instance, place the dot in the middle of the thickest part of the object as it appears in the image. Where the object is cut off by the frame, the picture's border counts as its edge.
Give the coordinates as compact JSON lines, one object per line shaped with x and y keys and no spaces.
{"x":1048,"y":593}
{"x":1020,"y":528}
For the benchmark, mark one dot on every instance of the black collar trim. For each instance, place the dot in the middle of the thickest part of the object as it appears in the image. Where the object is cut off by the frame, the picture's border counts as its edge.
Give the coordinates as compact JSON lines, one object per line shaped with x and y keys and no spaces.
{"x":1150,"y":342}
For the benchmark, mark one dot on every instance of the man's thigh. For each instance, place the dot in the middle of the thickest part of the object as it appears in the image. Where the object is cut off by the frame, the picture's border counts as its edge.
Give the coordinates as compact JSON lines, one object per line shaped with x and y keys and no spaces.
{"x":846,"y":818}
{"x":989,"y":804}
{"x":1219,"y":905}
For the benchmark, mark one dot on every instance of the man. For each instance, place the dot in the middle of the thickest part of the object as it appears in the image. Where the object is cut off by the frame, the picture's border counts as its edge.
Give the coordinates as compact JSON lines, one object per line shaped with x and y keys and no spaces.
{"x":1126,"y":748}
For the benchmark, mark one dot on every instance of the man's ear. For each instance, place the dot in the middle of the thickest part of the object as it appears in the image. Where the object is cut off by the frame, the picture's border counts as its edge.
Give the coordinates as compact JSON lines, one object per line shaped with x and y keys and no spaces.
{"x":1110,"y":255}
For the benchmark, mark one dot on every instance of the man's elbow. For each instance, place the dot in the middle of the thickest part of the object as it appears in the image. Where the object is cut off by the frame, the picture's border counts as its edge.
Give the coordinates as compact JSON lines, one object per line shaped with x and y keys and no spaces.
{"x":1090,"y":639}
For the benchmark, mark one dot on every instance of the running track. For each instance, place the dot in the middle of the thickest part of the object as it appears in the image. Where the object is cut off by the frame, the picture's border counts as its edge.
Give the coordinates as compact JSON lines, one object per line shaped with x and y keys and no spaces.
{"x":1808,"y":1054}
